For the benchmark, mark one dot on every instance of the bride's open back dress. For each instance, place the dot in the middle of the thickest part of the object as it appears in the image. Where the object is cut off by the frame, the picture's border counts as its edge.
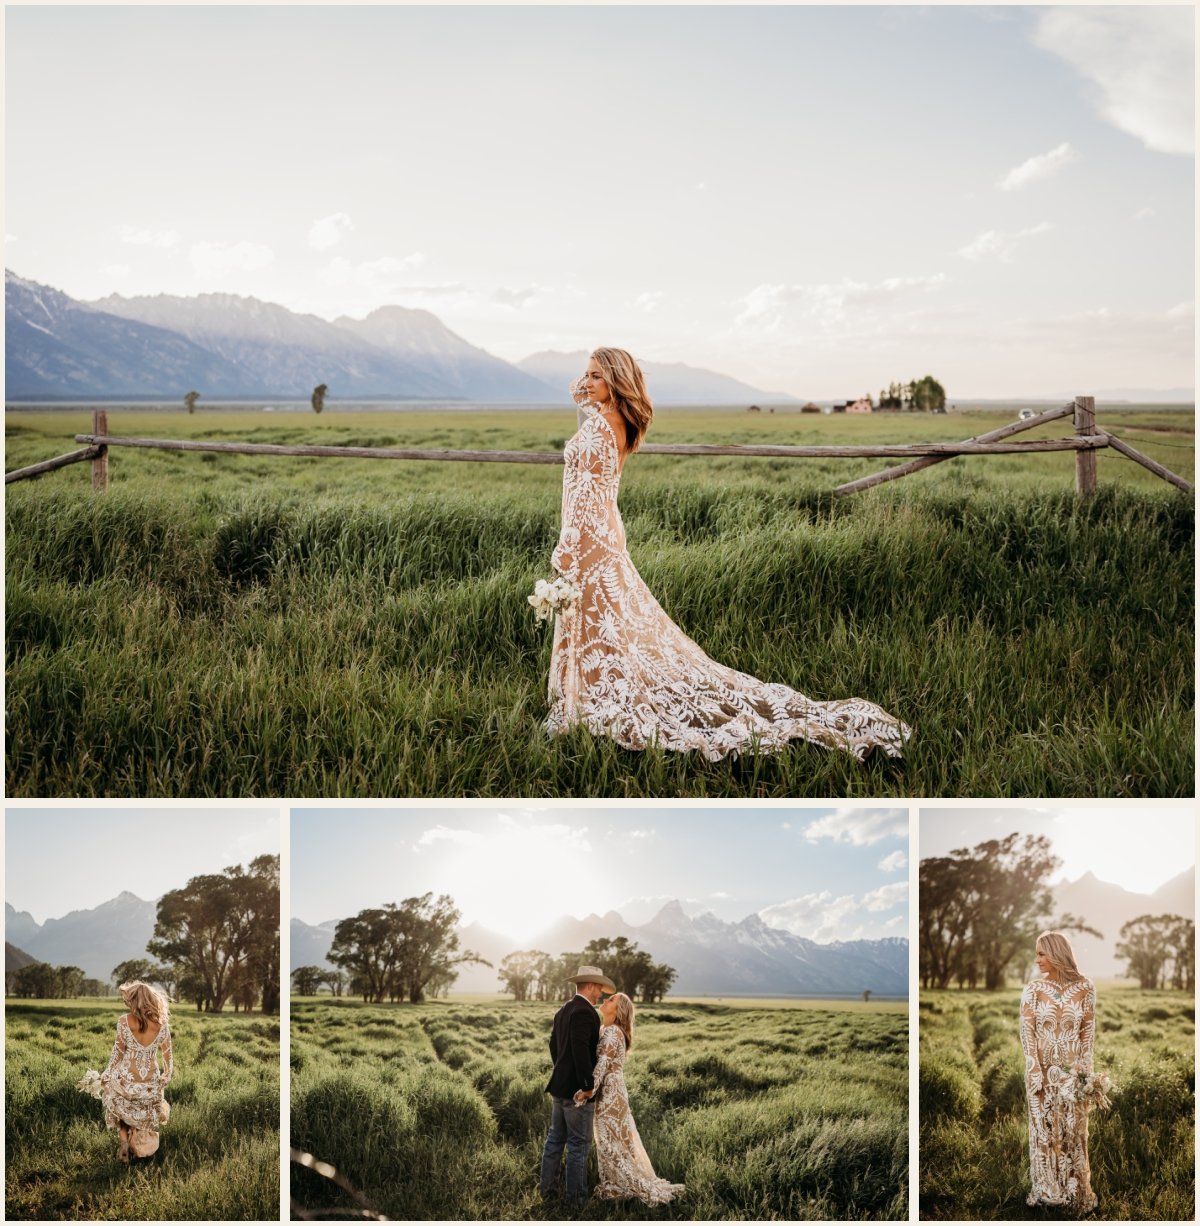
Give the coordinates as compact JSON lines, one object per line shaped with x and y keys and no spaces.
{"x":133,"y":1085}
{"x":622,"y":668}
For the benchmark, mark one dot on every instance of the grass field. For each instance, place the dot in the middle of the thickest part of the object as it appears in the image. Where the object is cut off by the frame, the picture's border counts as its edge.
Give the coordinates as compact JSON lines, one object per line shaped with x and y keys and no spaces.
{"x":438,"y":1110}
{"x":974,"y":1148}
{"x":219,"y":1154}
{"x":224,"y":625}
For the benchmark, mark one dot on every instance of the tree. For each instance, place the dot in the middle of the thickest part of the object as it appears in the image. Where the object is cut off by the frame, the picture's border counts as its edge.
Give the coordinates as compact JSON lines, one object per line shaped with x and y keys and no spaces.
{"x":1149,"y":943}
{"x":519,"y":972}
{"x":928,"y":395}
{"x":366,"y":947}
{"x":137,"y":968}
{"x":318,"y":397}
{"x":190,"y":401}
{"x":308,"y":979}
{"x":335,"y":981}
{"x":429,"y":943}
{"x":95,"y":987}
{"x":69,"y":981}
{"x":1183,"y":954}
{"x":657,"y":982}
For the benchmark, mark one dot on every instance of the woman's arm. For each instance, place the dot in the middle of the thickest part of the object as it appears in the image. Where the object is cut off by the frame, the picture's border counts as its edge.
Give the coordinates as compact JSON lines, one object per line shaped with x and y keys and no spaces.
{"x":167,"y":1054}
{"x":117,"y":1052}
{"x":1033,"y":1072}
{"x":585,"y":525}
{"x":607,"y":1055}
{"x":1087,"y":1028}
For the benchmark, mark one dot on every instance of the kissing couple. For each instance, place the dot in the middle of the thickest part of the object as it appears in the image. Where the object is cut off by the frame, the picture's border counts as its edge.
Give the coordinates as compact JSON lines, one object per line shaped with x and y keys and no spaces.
{"x":592,"y":1035}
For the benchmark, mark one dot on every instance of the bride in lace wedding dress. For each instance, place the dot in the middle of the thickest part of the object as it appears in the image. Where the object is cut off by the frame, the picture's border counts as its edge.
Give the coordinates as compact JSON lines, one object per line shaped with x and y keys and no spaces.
{"x":132,"y":1086}
{"x":1058,"y":1025}
{"x":625,"y":1168}
{"x":620,"y":665}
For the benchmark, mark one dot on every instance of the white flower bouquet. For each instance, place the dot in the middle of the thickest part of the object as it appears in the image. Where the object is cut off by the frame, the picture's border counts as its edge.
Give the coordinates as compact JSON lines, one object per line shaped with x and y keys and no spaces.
{"x":1086,"y":1089}
{"x":89,"y":1083}
{"x":553,"y":596}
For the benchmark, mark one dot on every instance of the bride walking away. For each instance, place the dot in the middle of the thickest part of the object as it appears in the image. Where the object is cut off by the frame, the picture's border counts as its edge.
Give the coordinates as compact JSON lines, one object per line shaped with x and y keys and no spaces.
{"x":620,"y":665}
{"x":132,"y":1085}
{"x":1058,"y":1024}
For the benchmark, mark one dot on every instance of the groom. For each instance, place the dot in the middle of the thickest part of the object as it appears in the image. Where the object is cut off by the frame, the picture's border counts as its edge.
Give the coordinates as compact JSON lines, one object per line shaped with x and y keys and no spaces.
{"x":573,"y":1043}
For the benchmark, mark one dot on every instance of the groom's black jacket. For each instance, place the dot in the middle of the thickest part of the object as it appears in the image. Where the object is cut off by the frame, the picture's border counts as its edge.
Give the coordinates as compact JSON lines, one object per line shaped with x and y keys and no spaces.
{"x":573,"y":1043}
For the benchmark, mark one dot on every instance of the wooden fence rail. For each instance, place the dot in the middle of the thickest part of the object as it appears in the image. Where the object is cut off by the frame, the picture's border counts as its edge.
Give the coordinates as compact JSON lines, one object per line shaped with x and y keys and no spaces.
{"x":1085,"y":442}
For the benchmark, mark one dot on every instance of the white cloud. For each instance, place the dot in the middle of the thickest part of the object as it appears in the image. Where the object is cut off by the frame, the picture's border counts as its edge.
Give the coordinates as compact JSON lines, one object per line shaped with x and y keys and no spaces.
{"x":445,"y":834}
{"x":328,"y":231}
{"x":1144,"y":213}
{"x":387,"y":275}
{"x":998,"y":245}
{"x":894,"y":862}
{"x":1041,"y":166}
{"x":515,"y":298}
{"x":642,"y":834}
{"x":765,"y":307}
{"x":885,"y":897}
{"x":860,"y":827}
{"x":136,"y":236}
{"x":1139,"y":62}
{"x":648,"y":301}
{"x":214,"y":261}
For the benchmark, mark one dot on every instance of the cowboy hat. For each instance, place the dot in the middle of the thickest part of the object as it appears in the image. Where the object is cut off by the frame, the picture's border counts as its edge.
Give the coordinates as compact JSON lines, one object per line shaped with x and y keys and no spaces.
{"x":592,"y":974}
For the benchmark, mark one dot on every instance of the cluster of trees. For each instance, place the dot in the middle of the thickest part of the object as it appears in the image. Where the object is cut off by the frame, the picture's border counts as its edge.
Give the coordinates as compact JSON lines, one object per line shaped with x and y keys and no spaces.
{"x":42,"y":981}
{"x":531,"y":974}
{"x":309,"y":980}
{"x":981,"y":910}
{"x":1160,"y":951}
{"x":217,"y":940}
{"x":925,"y":395}
{"x":401,"y":951}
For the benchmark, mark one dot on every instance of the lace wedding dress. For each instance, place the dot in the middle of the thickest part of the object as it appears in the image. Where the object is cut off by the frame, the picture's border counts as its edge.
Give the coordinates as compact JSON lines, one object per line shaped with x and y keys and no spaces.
{"x":1058,"y":1023}
{"x":625,"y":1168}
{"x":132,"y":1086}
{"x":621,"y":666}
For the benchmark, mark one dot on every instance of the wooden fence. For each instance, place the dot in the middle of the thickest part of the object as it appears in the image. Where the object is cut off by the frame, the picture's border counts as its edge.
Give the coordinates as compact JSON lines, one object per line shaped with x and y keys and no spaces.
{"x":1086,"y":440}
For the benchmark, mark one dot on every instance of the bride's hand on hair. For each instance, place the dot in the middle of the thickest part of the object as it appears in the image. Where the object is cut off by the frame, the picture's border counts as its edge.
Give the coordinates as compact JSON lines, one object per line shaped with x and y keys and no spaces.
{"x":578,"y":391}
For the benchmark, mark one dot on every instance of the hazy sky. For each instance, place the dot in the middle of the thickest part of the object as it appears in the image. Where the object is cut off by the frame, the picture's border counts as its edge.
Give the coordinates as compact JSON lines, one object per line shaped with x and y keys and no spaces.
{"x":61,"y":860}
{"x":1139,"y":849}
{"x":815,"y":199}
{"x":823,"y":873}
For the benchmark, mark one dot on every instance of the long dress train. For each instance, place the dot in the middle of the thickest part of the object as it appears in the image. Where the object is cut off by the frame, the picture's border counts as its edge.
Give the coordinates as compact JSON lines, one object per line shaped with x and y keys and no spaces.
{"x":1058,"y":1024}
{"x":622,"y":668}
{"x":625,"y":1168}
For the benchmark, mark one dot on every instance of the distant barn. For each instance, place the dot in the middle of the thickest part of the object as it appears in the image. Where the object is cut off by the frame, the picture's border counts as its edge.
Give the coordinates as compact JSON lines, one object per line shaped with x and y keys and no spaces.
{"x":810,"y":408}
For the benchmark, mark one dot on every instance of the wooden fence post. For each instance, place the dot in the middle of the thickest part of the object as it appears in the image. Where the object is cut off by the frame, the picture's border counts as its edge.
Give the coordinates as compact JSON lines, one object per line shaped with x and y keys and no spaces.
{"x":1085,"y":461}
{"x":100,"y":463}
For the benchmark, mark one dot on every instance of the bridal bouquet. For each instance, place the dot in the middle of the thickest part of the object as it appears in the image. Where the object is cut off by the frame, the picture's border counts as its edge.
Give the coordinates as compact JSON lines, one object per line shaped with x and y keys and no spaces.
{"x":89,"y":1083}
{"x":1087,"y":1089}
{"x":553,"y":596}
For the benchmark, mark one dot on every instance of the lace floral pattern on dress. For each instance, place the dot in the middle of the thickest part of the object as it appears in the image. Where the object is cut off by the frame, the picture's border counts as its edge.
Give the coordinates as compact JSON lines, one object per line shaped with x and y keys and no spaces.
{"x":625,"y":1167}
{"x":622,"y":668}
{"x":132,"y":1084}
{"x":1058,"y":1024}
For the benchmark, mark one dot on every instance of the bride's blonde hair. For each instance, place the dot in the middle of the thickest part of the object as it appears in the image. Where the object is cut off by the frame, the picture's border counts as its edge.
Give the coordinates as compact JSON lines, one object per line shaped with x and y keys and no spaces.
{"x":147,"y":1004}
{"x":1058,"y":952}
{"x":624,"y":1017}
{"x":627,"y":386}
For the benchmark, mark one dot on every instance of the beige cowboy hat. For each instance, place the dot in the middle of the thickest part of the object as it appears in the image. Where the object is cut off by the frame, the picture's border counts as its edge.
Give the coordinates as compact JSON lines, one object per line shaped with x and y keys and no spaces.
{"x":592,"y":974}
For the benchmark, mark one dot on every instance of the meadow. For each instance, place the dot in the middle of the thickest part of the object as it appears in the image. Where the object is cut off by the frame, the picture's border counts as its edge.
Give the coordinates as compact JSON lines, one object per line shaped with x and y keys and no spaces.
{"x":261,"y":626}
{"x":219,"y":1154}
{"x":438,"y":1110}
{"x":974,"y":1155}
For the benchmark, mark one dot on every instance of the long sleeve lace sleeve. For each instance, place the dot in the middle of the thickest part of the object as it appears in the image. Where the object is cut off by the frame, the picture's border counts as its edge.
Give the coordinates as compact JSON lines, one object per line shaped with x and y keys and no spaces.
{"x":167,"y":1054}
{"x":115,"y":1059}
{"x":1033,"y":1072}
{"x":590,"y":525}
{"x":608,"y":1055}
{"x":1087,"y":1028}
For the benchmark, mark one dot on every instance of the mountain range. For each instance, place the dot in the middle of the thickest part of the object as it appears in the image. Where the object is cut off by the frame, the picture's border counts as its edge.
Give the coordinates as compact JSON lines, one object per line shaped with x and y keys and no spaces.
{"x":1106,"y":907}
{"x":713,"y":957}
{"x":96,"y":939}
{"x":230,"y":347}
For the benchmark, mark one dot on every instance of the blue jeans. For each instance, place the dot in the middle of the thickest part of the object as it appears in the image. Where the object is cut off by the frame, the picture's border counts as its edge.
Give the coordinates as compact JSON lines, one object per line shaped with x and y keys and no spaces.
{"x":570,"y":1126}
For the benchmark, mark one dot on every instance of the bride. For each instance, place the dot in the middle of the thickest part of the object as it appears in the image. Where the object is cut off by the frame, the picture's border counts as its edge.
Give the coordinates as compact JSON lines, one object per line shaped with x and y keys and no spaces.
{"x":132,"y":1086}
{"x":620,"y":665}
{"x":625,"y":1168}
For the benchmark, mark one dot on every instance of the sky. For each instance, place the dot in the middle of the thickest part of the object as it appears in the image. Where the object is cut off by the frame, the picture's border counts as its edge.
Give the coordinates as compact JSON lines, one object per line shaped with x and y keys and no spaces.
{"x":58,"y":860}
{"x":818,"y":200}
{"x":1139,"y":850}
{"x":823,"y":873}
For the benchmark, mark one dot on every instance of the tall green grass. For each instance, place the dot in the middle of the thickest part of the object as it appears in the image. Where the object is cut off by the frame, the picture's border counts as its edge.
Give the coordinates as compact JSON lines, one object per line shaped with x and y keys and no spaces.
{"x":974,"y":1155}
{"x":438,"y":1111}
{"x":339,"y":628}
{"x":218,"y":1158}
